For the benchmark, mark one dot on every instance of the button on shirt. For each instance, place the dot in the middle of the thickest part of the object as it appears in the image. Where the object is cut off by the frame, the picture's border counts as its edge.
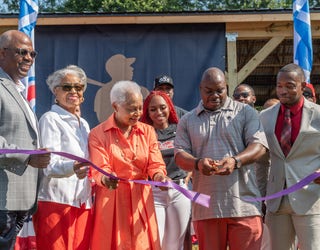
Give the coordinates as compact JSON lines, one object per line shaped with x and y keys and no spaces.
{"x":218,"y":134}
{"x":62,"y":131}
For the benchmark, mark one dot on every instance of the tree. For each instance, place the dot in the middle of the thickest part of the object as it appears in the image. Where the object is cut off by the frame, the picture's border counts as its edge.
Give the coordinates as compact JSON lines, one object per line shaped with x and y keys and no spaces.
{"x":152,"y":5}
{"x":11,"y":5}
{"x":45,"y":5}
{"x":129,"y":5}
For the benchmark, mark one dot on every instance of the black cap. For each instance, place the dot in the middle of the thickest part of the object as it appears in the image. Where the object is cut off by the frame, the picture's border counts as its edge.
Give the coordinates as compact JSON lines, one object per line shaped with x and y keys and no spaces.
{"x":163,"y":79}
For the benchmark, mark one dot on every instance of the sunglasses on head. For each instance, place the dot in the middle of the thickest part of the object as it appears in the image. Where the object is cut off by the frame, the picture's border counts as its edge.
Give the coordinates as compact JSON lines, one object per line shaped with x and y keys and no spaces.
{"x":243,"y":94}
{"x":67,"y":87}
{"x":23,"y":52}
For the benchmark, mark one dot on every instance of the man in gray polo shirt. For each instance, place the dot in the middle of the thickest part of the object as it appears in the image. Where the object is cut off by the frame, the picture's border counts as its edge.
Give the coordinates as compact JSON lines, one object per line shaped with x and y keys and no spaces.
{"x":219,"y":141}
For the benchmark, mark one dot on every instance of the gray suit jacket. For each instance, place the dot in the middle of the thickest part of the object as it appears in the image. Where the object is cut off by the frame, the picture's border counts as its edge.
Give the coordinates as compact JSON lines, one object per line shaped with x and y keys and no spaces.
{"x":18,"y":181}
{"x":302,"y":160}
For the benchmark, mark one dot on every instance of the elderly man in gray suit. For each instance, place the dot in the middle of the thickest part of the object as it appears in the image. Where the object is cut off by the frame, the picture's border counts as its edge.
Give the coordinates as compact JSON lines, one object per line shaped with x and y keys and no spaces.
{"x":18,"y":129}
{"x":292,"y":128}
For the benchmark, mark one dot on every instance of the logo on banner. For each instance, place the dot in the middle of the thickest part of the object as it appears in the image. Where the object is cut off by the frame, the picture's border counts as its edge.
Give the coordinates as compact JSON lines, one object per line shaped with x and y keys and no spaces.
{"x":119,"y":68}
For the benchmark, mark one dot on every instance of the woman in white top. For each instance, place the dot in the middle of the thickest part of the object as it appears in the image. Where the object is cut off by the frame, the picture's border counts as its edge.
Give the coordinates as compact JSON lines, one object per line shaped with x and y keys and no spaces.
{"x":63,"y":218}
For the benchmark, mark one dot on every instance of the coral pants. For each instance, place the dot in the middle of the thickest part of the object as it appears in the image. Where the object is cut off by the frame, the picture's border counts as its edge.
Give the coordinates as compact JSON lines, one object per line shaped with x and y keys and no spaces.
{"x":59,"y":226}
{"x":238,"y":233}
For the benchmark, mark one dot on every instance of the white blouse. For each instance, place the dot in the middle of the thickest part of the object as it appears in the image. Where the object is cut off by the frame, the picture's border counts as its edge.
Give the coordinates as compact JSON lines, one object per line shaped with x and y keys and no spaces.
{"x":62,"y":131}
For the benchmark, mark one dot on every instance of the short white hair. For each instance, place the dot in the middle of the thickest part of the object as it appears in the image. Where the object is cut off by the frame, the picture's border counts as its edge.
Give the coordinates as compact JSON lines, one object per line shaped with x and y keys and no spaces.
{"x":55,"y":78}
{"x":121,"y":89}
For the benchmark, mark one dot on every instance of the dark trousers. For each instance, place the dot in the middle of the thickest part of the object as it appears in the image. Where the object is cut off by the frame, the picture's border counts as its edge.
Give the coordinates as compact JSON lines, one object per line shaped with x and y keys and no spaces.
{"x":11,"y":223}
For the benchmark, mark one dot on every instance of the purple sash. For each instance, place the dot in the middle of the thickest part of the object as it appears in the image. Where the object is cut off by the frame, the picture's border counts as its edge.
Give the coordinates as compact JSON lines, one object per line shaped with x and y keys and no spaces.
{"x":305,"y":181}
{"x":199,"y":198}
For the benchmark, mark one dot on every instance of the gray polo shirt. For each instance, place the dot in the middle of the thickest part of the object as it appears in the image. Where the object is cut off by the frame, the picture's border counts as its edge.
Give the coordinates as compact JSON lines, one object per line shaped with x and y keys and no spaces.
{"x":218,"y":134}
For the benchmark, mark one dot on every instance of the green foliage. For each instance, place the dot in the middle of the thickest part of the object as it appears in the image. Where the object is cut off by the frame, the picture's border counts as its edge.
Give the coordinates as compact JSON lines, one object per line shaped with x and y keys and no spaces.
{"x":129,"y":5}
{"x":84,"y":5}
{"x":12,"y":5}
{"x":151,"y":5}
{"x":248,"y":4}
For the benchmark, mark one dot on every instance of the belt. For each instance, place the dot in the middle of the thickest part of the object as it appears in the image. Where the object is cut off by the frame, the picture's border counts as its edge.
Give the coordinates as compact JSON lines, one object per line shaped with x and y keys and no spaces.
{"x":179,"y":181}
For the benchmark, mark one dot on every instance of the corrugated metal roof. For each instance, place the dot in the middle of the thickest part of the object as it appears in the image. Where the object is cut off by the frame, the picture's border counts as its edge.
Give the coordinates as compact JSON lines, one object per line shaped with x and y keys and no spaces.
{"x":215,"y":12}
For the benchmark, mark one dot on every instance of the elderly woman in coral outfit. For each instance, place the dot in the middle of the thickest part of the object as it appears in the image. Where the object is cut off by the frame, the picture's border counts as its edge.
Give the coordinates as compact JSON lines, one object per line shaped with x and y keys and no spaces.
{"x":124,"y":214}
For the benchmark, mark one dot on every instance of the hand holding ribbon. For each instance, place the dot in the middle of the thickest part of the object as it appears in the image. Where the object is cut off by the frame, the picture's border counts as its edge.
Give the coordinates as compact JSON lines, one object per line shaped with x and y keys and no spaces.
{"x":199,"y":198}
{"x":39,"y":160}
{"x":110,"y":183}
{"x":81,"y":169}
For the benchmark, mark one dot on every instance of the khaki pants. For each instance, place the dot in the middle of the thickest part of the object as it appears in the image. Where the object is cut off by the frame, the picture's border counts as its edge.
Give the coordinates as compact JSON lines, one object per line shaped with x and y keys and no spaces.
{"x":285,"y":225}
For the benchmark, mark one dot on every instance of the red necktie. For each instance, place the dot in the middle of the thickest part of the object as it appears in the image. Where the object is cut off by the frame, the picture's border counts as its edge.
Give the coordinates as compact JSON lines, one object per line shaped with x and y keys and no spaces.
{"x":285,"y":140}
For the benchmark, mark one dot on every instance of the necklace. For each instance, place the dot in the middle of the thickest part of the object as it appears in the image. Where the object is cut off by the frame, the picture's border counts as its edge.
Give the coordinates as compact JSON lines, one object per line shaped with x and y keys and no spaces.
{"x":126,"y":133}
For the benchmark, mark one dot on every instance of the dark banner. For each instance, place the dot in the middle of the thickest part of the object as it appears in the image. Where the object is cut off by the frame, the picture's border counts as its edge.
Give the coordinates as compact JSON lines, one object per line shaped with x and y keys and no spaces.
{"x":109,"y":53}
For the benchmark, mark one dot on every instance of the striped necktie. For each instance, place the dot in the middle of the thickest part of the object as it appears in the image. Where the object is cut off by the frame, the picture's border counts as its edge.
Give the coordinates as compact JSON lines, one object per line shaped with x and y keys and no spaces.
{"x":285,"y":140}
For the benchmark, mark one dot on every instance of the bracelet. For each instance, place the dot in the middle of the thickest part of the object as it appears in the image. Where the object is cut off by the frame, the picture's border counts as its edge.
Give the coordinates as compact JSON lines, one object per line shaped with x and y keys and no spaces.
{"x":196,"y":163}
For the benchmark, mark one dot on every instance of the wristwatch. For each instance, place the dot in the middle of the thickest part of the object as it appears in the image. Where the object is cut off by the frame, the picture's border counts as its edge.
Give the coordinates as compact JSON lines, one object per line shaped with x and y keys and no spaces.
{"x":237,"y":164}
{"x":196,"y":163}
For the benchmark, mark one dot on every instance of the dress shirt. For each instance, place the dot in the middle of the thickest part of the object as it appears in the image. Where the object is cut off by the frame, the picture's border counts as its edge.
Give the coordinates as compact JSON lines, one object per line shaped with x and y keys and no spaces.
{"x":21,"y":88}
{"x":296,"y":115}
{"x":63,"y":131}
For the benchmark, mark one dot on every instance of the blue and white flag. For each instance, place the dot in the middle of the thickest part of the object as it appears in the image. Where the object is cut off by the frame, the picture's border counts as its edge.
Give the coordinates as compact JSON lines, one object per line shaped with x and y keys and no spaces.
{"x":27,"y":22}
{"x":302,"y":39}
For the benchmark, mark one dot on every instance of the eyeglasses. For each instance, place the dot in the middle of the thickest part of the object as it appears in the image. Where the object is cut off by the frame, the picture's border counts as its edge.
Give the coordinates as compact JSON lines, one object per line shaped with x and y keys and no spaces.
{"x":68,"y":88}
{"x":243,"y":94}
{"x":23,"y":52}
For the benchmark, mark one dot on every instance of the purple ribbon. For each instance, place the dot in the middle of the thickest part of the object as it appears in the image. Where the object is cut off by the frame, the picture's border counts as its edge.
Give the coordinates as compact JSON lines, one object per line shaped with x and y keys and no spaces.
{"x":299,"y":185}
{"x":196,"y":197}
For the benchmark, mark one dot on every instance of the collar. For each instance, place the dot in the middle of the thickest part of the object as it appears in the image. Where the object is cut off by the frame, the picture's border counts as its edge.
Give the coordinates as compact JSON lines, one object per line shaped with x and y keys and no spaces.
{"x":19,"y":85}
{"x":295,"y":108}
{"x":64,"y":114}
{"x":110,"y":123}
{"x":229,"y":104}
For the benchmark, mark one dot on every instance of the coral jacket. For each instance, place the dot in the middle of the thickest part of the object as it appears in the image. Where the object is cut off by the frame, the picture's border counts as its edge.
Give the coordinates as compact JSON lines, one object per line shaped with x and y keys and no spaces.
{"x":125,"y":218}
